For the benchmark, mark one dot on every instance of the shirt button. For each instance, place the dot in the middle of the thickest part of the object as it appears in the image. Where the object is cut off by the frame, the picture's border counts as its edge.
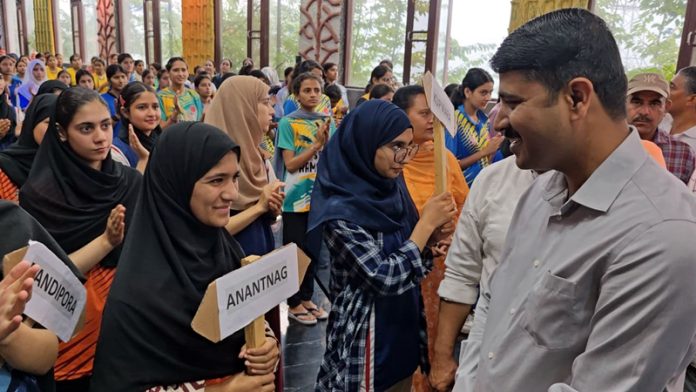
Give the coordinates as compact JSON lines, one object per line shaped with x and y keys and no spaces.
{"x":491,"y":355}
{"x":513,"y":310}
{"x":537,"y":263}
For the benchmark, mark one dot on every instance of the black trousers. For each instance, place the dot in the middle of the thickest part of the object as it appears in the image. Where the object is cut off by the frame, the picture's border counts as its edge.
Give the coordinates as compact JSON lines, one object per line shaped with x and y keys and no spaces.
{"x":295,"y":230}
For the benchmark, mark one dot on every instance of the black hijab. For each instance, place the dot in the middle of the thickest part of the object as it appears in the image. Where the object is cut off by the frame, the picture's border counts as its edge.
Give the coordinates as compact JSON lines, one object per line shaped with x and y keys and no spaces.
{"x":7,"y":111}
{"x":16,"y":161}
{"x":17,"y":228}
{"x":168,"y":260}
{"x":148,"y":142}
{"x":72,"y":200}
{"x":50,"y":86}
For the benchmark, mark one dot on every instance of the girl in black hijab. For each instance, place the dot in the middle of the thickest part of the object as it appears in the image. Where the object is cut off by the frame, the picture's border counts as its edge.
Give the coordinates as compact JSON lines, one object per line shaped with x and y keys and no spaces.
{"x":28,"y":353}
{"x":84,"y":199}
{"x":178,"y":245}
{"x":16,"y":161}
{"x":8,"y":119}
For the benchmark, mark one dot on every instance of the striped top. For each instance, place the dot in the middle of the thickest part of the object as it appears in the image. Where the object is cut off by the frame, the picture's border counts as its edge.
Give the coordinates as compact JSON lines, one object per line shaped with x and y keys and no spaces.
{"x":471,"y":138}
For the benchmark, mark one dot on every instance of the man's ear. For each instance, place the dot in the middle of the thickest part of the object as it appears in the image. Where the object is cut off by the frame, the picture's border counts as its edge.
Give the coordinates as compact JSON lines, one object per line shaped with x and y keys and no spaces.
{"x":578,"y":95}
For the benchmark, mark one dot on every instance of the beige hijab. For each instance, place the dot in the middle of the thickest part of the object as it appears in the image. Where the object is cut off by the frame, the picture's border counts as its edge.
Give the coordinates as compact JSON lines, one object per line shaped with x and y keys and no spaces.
{"x":234,"y":110}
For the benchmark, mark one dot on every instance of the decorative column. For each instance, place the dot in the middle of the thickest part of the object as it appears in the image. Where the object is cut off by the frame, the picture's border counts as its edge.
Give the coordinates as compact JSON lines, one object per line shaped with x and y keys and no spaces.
{"x":198,"y":31}
{"x":43,"y":26}
{"x":320,"y":30}
{"x":525,"y":10}
{"x":107,"y":34}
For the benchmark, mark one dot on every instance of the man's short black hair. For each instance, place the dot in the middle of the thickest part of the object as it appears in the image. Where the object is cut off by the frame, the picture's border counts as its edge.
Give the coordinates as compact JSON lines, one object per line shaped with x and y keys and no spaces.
{"x":689,"y":74}
{"x":562,"y":45}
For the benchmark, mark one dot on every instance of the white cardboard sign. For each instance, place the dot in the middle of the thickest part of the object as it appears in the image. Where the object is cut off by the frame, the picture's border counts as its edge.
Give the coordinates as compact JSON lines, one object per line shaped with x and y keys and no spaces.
{"x":251,"y":291}
{"x":58,"y":297}
{"x":439,"y":103}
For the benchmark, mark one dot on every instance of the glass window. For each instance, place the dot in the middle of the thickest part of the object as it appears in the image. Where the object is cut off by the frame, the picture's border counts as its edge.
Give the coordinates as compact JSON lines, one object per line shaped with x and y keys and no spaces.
{"x":91,"y":26}
{"x":477,"y":31}
{"x":64,"y":29}
{"x":234,"y":31}
{"x":648,"y":32}
{"x":284,"y":28}
{"x":378,"y":33}
{"x":442,"y":42}
{"x":419,"y":39}
{"x":13,"y":38}
{"x":29,"y":28}
{"x":133,"y":25}
{"x":170,"y":17}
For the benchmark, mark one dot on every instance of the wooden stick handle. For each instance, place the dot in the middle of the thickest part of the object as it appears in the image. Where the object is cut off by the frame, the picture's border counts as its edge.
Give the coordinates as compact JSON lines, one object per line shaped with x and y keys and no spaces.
{"x":440,"y":158}
{"x":254,"y":333}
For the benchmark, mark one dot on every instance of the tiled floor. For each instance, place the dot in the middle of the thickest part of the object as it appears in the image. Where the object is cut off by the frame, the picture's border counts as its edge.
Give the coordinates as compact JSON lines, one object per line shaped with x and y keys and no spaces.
{"x":303,"y":346}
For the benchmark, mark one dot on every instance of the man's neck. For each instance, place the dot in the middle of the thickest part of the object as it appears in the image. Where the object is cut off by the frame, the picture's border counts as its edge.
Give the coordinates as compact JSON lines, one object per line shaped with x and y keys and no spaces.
{"x":683,"y":122}
{"x":592,"y":155}
{"x":7,"y":78}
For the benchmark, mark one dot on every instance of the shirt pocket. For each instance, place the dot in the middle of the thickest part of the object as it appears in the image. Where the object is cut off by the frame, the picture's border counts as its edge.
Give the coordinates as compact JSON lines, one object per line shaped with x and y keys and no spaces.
{"x":551,"y":316}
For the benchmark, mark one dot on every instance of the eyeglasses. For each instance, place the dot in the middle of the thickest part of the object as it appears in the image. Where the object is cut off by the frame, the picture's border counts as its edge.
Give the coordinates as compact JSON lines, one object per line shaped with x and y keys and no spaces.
{"x":402,"y":153}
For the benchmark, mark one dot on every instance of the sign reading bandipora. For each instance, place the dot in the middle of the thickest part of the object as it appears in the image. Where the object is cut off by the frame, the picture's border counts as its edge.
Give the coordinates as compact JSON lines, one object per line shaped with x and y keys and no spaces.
{"x":58,"y":297}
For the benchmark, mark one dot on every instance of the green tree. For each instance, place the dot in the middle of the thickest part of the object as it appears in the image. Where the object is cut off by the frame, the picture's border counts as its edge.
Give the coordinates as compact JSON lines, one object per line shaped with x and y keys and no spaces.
{"x":650,"y":39}
{"x":379,"y":30}
{"x":65,"y":28}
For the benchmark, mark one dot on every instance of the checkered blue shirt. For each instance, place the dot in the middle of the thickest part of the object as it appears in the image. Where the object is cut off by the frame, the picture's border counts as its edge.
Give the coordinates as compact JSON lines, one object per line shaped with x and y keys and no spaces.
{"x":360,"y":271}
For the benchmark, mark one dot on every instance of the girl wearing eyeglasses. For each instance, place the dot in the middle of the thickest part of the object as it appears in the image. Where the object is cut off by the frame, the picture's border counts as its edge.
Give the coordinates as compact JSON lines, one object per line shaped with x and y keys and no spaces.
{"x":380,"y":251}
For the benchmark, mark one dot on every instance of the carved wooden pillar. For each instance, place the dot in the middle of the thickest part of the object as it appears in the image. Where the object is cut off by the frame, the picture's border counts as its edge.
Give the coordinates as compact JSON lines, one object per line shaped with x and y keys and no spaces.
{"x":107,"y":34}
{"x":320,"y":30}
{"x":198,"y":31}
{"x":43,"y":26}
{"x":525,"y":10}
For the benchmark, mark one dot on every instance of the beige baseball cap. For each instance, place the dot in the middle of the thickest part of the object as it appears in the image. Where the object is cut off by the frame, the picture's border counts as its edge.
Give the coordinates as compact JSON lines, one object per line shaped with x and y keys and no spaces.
{"x":649,"y":82}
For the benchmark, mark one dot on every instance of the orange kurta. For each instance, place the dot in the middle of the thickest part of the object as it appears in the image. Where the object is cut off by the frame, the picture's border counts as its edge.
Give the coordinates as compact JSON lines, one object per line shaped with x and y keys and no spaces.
{"x":8,"y":190}
{"x":76,"y":357}
{"x":419,"y":174}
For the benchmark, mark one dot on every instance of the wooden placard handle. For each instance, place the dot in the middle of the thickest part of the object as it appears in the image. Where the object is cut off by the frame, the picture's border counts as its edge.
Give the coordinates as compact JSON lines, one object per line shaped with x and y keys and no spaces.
{"x":255,"y":332}
{"x":440,"y":158}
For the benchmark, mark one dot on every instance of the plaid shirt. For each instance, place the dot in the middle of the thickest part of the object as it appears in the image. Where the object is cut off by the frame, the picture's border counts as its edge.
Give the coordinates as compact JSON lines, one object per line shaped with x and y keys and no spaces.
{"x":359,"y":273}
{"x":678,"y":155}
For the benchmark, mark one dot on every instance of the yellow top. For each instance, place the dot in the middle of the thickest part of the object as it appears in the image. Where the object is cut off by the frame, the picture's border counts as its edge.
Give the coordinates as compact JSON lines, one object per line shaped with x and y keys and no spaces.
{"x":52,"y":75}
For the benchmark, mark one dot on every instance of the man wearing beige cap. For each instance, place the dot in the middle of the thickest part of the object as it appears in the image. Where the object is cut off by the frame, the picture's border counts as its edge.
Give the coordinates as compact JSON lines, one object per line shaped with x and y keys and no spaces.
{"x":646,"y":105}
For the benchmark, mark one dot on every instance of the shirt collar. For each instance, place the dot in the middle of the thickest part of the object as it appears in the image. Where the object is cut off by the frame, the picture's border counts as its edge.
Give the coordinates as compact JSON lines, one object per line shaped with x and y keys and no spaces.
{"x":604,"y":185}
{"x":690,"y":133}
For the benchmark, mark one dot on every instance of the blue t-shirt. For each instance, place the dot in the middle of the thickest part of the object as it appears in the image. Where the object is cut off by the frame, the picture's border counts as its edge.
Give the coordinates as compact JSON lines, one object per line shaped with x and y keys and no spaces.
{"x":127,"y":151}
{"x":12,"y":89}
{"x":111,"y":101}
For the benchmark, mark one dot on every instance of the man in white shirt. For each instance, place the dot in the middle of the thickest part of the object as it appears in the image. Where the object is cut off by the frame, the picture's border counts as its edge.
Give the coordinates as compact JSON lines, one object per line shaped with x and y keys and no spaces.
{"x":475,"y":253}
{"x":683,"y":109}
